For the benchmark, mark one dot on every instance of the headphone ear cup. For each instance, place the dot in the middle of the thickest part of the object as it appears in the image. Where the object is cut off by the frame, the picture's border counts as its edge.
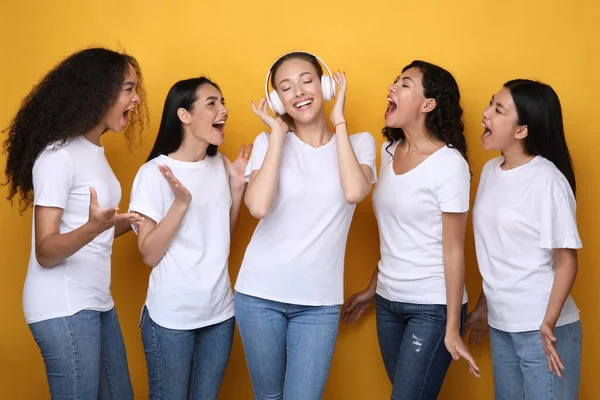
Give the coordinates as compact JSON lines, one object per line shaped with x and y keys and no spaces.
{"x":276,"y":104}
{"x":328,"y":86}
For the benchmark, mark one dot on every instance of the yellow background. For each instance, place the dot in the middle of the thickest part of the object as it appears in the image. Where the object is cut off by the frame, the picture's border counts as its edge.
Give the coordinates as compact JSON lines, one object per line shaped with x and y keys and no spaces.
{"x":483,"y":43}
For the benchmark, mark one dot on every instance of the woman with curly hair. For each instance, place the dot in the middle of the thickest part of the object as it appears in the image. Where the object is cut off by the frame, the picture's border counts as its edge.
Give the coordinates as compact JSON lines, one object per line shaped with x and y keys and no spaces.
{"x":421,"y":203}
{"x":56,"y":164}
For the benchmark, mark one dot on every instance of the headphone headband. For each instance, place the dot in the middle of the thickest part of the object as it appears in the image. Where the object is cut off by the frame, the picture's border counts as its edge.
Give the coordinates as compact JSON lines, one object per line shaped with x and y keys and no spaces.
{"x":268,"y":96}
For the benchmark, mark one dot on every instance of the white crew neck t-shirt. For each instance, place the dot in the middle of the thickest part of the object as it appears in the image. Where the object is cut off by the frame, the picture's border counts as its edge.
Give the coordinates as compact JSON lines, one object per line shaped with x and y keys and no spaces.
{"x":62,"y":175}
{"x":190,"y":287}
{"x":409,"y":211}
{"x":520,"y":215}
{"x":296,"y":254}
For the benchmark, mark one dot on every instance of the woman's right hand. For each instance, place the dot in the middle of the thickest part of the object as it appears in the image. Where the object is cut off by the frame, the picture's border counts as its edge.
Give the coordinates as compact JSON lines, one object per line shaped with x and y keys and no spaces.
{"x":277,"y":125}
{"x":356,"y":305}
{"x":101,"y":219}
{"x":182,"y":195}
{"x":478,"y":325}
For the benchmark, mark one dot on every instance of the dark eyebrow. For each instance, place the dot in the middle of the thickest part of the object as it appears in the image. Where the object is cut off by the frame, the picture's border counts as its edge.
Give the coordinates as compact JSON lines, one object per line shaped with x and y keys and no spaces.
{"x":214,"y":98}
{"x":130,"y":83}
{"x":499,"y":105}
{"x":406,"y":77}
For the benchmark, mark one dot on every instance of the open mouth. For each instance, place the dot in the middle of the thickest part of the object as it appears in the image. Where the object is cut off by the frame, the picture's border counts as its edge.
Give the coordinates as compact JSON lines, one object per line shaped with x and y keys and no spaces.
{"x":303,"y":105}
{"x":126,"y":115}
{"x":391,"y":107}
{"x":486,"y":130}
{"x":219,"y":126}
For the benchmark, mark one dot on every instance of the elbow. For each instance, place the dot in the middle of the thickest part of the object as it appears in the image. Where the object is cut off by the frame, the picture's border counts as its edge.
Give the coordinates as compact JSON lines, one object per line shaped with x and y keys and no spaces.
{"x":150,"y":261}
{"x":258,"y":211}
{"x":354,"y":197}
{"x":44,"y":262}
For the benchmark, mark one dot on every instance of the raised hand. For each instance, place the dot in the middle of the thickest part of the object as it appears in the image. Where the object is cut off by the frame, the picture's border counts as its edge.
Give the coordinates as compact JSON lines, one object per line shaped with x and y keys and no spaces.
{"x":277,"y":125}
{"x":237,"y":169}
{"x":182,"y":195}
{"x":337,"y":113}
{"x":101,"y":219}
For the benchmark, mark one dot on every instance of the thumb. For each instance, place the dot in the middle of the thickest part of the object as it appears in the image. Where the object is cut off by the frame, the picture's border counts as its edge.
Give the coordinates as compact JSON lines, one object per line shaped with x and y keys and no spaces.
{"x":93,"y":196}
{"x":227,"y":160}
{"x":453,"y":352}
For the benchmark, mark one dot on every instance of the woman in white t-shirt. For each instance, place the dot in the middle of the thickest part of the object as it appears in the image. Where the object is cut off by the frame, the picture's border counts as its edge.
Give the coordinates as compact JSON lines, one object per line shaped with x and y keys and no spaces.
{"x":526,"y":238}
{"x":303,"y":186}
{"x":57,"y":165}
{"x":190,"y":197}
{"x":421,"y":202}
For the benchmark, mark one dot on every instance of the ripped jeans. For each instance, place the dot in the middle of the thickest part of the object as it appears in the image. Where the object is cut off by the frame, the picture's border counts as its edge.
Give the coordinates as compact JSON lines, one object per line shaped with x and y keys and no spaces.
{"x":411,"y":340}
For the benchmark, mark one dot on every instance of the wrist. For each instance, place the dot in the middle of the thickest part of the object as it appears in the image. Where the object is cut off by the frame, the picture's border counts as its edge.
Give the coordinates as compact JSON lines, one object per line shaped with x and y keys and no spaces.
{"x":91,"y":229}
{"x":236,"y":186}
{"x":339,"y":123}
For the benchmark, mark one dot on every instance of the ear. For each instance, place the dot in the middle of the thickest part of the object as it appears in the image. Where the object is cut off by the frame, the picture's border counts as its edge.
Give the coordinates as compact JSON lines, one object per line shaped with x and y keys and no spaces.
{"x":522,"y":132}
{"x":184,"y":115}
{"x":428,"y":105}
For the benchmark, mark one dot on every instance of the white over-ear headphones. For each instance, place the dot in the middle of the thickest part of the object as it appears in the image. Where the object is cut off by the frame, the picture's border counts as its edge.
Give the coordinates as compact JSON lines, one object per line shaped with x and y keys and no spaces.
{"x":327,"y":84}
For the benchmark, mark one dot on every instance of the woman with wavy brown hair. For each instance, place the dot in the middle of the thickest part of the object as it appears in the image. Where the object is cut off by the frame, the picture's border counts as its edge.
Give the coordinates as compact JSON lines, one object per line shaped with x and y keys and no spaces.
{"x":56,"y":164}
{"x":421,"y":203}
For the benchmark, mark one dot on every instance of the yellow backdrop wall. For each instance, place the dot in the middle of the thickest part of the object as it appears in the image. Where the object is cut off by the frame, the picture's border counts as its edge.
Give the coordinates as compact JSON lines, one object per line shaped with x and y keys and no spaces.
{"x":483,"y":43}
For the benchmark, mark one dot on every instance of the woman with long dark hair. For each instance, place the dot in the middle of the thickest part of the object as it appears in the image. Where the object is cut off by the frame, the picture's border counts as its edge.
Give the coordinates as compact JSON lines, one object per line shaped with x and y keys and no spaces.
{"x":421,"y":202}
{"x":57,"y":165}
{"x":190,"y":197}
{"x":526,"y":239}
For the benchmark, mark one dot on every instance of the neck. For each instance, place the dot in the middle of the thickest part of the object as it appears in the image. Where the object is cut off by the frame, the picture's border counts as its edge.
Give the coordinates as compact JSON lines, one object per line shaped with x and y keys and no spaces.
{"x":515,"y":157}
{"x":315,"y":133}
{"x":418,"y":138}
{"x":93,"y":135}
{"x":192,"y":149}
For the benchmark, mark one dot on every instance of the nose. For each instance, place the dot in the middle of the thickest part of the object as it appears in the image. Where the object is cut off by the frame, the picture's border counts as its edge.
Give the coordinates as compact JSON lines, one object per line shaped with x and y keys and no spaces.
{"x":136,"y":98}
{"x":392,"y":88}
{"x":486,"y":111}
{"x":299,"y":91}
{"x":223,"y":110}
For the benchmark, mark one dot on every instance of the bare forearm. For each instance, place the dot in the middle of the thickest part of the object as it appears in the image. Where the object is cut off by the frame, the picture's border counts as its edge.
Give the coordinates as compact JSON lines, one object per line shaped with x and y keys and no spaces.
{"x":237,"y":195}
{"x":564,"y":278}
{"x":262,"y":189}
{"x":454,"y":272}
{"x":58,"y":247}
{"x":354,"y":182}
{"x":122,"y":227}
{"x":157,"y":241}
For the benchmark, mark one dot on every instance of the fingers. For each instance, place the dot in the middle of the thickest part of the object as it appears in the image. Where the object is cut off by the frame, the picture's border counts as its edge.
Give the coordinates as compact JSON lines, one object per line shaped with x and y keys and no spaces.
{"x":348,"y":309}
{"x":93,"y":196}
{"x":109,"y":213}
{"x":464,"y":353}
{"x":131,"y":217}
{"x":168,"y":174}
{"x":357,"y":315}
{"x":241,"y":152}
{"x":227,"y":161}
{"x":248,"y":151}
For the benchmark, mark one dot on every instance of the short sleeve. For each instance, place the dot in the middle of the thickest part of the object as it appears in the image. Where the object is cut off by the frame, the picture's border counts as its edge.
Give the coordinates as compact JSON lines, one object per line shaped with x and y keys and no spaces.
{"x":454,"y":185}
{"x":259,"y":151}
{"x":559,"y":224}
{"x":52,"y":177}
{"x":365,"y":149}
{"x":146,"y":197}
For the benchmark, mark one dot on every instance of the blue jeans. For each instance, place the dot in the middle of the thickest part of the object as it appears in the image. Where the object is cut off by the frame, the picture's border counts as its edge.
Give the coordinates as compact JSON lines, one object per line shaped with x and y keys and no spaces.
{"x":186,"y":364}
{"x":288,"y":347}
{"x":521,"y":369}
{"x":84,"y":356}
{"x":411,"y":340}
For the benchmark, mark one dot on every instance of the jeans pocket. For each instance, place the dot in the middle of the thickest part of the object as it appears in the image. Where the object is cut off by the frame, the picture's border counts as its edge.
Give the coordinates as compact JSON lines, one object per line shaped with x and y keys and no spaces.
{"x":575,"y":332}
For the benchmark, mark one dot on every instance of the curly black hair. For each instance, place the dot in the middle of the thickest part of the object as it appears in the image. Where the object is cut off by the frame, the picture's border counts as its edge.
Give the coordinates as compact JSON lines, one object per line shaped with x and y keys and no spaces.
{"x":69,"y":101}
{"x":445,"y":121}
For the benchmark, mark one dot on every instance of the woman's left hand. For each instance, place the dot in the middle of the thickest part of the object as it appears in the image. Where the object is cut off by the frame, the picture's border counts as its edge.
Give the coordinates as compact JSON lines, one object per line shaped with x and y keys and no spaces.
{"x":337,"y":114}
{"x":456,"y":347}
{"x":237,"y":169}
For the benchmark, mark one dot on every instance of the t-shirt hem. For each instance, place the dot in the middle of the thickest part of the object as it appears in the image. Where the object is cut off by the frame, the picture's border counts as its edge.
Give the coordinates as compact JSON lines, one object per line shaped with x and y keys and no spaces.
{"x":531,"y":326}
{"x":67,"y":313}
{"x":416,"y":300}
{"x":562,"y":244}
{"x":288,"y":300}
{"x":142,"y":208}
{"x":197,"y":325}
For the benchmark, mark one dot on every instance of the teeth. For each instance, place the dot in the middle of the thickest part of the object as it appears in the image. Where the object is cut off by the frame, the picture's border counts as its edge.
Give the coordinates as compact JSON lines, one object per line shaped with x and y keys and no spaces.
{"x":304,"y":103}
{"x":390,"y":100}
{"x":219,"y":123}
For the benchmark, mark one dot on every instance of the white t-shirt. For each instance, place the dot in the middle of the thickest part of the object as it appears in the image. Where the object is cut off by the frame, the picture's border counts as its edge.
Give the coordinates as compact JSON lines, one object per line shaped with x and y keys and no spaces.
{"x":519,"y":216}
{"x":62,"y":176}
{"x":190,"y":287}
{"x":409,"y":211}
{"x":296,"y":254}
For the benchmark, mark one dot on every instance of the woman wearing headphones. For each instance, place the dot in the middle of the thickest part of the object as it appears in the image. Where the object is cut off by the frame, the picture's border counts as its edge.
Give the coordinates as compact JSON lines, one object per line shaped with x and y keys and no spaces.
{"x":421,"y":203}
{"x":304,"y":184}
